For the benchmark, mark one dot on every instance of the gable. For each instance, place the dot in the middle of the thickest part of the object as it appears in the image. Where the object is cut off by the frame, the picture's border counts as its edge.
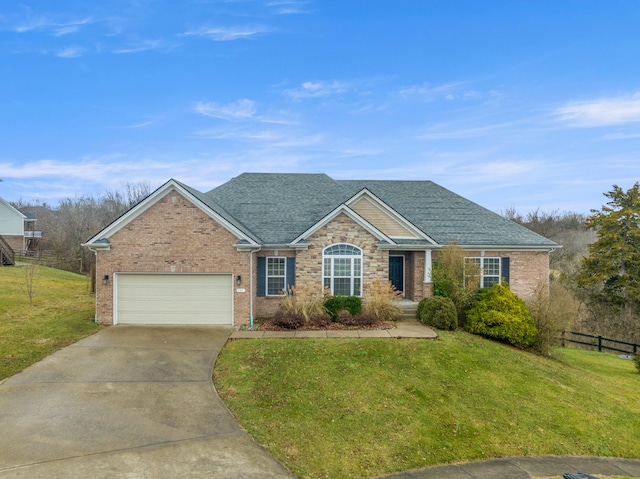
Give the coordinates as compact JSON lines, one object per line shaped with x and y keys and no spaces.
{"x":381,"y":219}
{"x":11,"y":220}
{"x":100,"y":240}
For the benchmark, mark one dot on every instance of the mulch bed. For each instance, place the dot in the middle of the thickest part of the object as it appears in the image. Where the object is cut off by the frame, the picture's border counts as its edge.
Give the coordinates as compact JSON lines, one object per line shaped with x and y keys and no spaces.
{"x":268,"y":325}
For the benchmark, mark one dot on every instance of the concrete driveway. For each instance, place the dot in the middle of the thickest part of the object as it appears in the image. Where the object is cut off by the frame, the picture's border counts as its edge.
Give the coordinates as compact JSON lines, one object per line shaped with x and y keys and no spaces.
{"x":129,"y":401}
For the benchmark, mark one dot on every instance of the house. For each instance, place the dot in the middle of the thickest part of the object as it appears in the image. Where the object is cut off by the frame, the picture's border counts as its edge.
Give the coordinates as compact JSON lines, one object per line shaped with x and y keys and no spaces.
{"x":17,"y":233}
{"x":224,"y":257}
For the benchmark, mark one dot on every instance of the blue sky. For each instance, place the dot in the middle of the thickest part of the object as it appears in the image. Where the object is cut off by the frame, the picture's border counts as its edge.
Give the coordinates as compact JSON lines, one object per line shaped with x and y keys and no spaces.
{"x":510,"y":103}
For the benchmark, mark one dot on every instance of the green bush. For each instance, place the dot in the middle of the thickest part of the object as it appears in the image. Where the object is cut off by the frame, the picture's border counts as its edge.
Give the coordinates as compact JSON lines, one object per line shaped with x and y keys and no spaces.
{"x":439,"y":312}
{"x":500,"y":314}
{"x":335,"y":304}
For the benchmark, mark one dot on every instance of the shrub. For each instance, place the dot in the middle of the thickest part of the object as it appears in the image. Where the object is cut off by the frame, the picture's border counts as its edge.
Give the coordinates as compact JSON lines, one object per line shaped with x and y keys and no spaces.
{"x":305,"y":301}
{"x":554,"y":309}
{"x":335,"y":304}
{"x":320,"y":321}
{"x":288,"y":320}
{"x":500,"y":314}
{"x":380,"y":296}
{"x":455,"y":277}
{"x":439,"y":312}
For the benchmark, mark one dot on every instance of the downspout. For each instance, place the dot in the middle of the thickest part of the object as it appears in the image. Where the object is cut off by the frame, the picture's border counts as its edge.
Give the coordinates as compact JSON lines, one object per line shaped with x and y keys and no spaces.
{"x":95,"y":253}
{"x":251,"y":286}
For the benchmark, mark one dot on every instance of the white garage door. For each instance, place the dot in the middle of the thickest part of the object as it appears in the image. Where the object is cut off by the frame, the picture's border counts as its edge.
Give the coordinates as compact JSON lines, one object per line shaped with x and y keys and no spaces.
{"x":174,"y":299}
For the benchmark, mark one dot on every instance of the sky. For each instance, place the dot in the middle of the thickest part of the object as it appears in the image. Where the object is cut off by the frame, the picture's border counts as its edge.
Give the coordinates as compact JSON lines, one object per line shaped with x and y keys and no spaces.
{"x":523,"y":104}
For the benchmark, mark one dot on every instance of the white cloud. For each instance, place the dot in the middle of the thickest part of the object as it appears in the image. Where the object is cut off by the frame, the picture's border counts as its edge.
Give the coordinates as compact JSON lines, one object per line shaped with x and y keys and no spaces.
{"x":142,"y":46}
{"x":224,"y":34}
{"x":72,"y":51}
{"x":288,"y":7}
{"x":439,"y":133}
{"x":430,"y":93}
{"x":56,"y":28}
{"x":312,"y":89}
{"x":240,"y":110}
{"x":600,"y":112}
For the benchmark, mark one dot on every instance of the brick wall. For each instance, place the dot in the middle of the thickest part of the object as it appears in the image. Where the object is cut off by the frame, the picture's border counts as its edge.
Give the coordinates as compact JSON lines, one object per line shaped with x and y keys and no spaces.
{"x":172,"y":236}
{"x":266,"y":306}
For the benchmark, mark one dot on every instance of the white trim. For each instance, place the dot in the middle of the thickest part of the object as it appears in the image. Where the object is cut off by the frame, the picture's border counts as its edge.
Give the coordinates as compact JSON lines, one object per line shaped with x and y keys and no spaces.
{"x":391,"y":212}
{"x":481,"y":259}
{"x":352,"y":276}
{"x":151,"y":200}
{"x":266,"y":275}
{"x":352,"y":215}
{"x":428,"y":266}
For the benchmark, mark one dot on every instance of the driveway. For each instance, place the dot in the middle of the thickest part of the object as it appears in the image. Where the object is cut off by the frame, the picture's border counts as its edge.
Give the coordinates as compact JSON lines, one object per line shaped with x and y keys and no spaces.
{"x":129,"y":401}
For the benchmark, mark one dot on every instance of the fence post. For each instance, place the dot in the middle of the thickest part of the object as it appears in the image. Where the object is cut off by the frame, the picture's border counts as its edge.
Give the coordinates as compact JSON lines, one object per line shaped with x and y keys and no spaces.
{"x":599,"y":344}
{"x":563,"y":345}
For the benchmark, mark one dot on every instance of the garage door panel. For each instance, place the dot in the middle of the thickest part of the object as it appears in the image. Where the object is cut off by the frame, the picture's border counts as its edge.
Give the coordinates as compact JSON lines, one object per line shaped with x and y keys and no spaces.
{"x":174,"y":299}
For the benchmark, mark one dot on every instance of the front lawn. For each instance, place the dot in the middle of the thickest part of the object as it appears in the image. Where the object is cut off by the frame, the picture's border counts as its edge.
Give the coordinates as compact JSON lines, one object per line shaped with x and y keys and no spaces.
{"x":62,"y":313}
{"x":364,"y":407}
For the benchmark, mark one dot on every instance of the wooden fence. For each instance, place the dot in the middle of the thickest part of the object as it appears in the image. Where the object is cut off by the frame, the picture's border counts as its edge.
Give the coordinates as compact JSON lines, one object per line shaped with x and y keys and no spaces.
{"x":598,"y":342}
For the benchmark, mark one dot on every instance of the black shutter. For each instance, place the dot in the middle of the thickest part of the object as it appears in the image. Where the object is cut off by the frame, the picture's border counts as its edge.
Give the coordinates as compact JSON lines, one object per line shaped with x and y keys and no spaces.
{"x":290,"y":278}
{"x":262,"y":276}
{"x":505,"y":269}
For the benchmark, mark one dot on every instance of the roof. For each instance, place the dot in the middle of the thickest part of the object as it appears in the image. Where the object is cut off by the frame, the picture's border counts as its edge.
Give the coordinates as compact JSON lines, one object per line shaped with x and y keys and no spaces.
{"x":278,"y":208}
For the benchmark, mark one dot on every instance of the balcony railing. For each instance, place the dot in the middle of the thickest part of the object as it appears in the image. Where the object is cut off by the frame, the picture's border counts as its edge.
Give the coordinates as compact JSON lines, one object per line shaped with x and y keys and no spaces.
{"x":33,"y":234}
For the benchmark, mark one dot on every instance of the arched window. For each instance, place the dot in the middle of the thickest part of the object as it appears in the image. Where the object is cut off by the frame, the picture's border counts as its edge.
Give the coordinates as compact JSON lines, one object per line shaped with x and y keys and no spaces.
{"x":342,"y":269}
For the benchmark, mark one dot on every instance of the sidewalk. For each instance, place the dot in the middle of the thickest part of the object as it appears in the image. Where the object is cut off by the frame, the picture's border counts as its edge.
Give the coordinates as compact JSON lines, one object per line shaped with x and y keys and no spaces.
{"x":526,"y":468}
{"x":409,"y":328}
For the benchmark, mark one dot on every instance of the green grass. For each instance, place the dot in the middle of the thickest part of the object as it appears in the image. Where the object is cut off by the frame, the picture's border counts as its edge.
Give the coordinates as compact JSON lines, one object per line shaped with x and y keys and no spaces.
{"x":364,"y":407}
{"x":62,"y":313}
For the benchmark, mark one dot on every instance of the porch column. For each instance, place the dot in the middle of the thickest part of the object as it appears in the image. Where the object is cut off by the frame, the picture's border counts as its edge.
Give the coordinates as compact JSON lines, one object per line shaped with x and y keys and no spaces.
{"x":427,"y":266}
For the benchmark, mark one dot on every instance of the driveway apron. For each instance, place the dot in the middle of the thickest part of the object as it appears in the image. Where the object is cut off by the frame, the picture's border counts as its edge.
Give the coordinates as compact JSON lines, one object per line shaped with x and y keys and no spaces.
{"x":129,"y":401}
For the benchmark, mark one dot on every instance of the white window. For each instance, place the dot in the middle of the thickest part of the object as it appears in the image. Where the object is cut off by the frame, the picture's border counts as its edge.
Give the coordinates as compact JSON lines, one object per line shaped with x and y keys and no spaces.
{"x":489,"y":269}
{"x":276,"y":273}
{"x":342,"y":270}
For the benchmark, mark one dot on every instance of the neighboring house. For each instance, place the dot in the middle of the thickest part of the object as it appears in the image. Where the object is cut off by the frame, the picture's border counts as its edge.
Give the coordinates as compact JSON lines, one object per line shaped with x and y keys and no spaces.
{"x":223,"y":257}
{"x":17,"y":233}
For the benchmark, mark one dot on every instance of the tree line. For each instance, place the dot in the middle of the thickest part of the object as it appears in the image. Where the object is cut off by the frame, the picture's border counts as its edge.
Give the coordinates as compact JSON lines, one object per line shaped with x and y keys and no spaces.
{"x":75,"y":220}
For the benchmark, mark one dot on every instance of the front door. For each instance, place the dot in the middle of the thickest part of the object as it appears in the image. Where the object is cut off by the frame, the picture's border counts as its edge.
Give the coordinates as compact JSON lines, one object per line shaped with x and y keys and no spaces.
{"x":396,"y":272}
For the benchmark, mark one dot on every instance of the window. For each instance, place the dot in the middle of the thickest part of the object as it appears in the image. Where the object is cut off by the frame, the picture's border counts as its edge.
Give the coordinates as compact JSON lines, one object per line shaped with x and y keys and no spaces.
{"x":276,"y":274}
{"x":489,"y":268}
{"x":342,"y":270}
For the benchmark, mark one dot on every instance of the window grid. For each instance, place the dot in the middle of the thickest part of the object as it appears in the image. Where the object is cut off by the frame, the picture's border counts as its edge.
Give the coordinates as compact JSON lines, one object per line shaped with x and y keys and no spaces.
{"x":276,"y":271}
{"x":342,"y":270}
{"x":489,"y":268}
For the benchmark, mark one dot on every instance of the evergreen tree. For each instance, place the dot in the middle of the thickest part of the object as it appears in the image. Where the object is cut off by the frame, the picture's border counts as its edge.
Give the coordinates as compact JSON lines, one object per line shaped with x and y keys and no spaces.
{"x":611,"y":272}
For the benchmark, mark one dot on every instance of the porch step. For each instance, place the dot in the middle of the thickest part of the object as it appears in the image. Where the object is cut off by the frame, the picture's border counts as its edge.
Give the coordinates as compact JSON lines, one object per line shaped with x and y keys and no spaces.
{"x":409,"y":308}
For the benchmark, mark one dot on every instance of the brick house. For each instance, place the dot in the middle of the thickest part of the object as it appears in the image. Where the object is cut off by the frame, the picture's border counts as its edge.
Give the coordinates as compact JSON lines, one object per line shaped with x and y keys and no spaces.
{"x":224,"y":257}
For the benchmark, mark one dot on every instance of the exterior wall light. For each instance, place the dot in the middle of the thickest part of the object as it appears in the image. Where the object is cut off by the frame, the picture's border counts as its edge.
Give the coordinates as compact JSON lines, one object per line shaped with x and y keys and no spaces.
{"x":238,"y":280}
{"x":105,"y":279}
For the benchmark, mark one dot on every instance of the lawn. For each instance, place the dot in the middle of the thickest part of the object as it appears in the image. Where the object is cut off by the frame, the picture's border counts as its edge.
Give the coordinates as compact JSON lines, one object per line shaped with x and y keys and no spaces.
{"x":62,"y":313}
{"x":355,"y":408}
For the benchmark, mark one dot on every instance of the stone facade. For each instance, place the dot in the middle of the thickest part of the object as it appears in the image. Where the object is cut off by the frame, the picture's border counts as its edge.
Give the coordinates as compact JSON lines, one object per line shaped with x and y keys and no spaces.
{"x":342,"y":229}
{"x":15,"y":242}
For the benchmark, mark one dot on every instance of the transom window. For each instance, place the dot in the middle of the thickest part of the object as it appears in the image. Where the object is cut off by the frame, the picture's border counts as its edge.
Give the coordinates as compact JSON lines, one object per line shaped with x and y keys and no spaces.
{"x":489,"y":268}
{"x":276,"y":273}
{"x":342,"y":270}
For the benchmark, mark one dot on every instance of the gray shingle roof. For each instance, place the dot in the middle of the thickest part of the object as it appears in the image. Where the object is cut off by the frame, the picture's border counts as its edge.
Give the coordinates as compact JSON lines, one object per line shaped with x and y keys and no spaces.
{"x":275,"y":208}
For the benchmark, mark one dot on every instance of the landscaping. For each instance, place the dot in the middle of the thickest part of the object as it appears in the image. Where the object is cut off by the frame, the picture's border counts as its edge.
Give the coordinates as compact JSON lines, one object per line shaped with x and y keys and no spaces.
{"x":356,"y":408}
{"x":62,"y":313}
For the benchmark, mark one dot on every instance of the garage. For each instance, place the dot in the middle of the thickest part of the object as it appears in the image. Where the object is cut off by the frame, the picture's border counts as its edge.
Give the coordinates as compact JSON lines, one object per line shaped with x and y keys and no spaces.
{"x":142,"y":298}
